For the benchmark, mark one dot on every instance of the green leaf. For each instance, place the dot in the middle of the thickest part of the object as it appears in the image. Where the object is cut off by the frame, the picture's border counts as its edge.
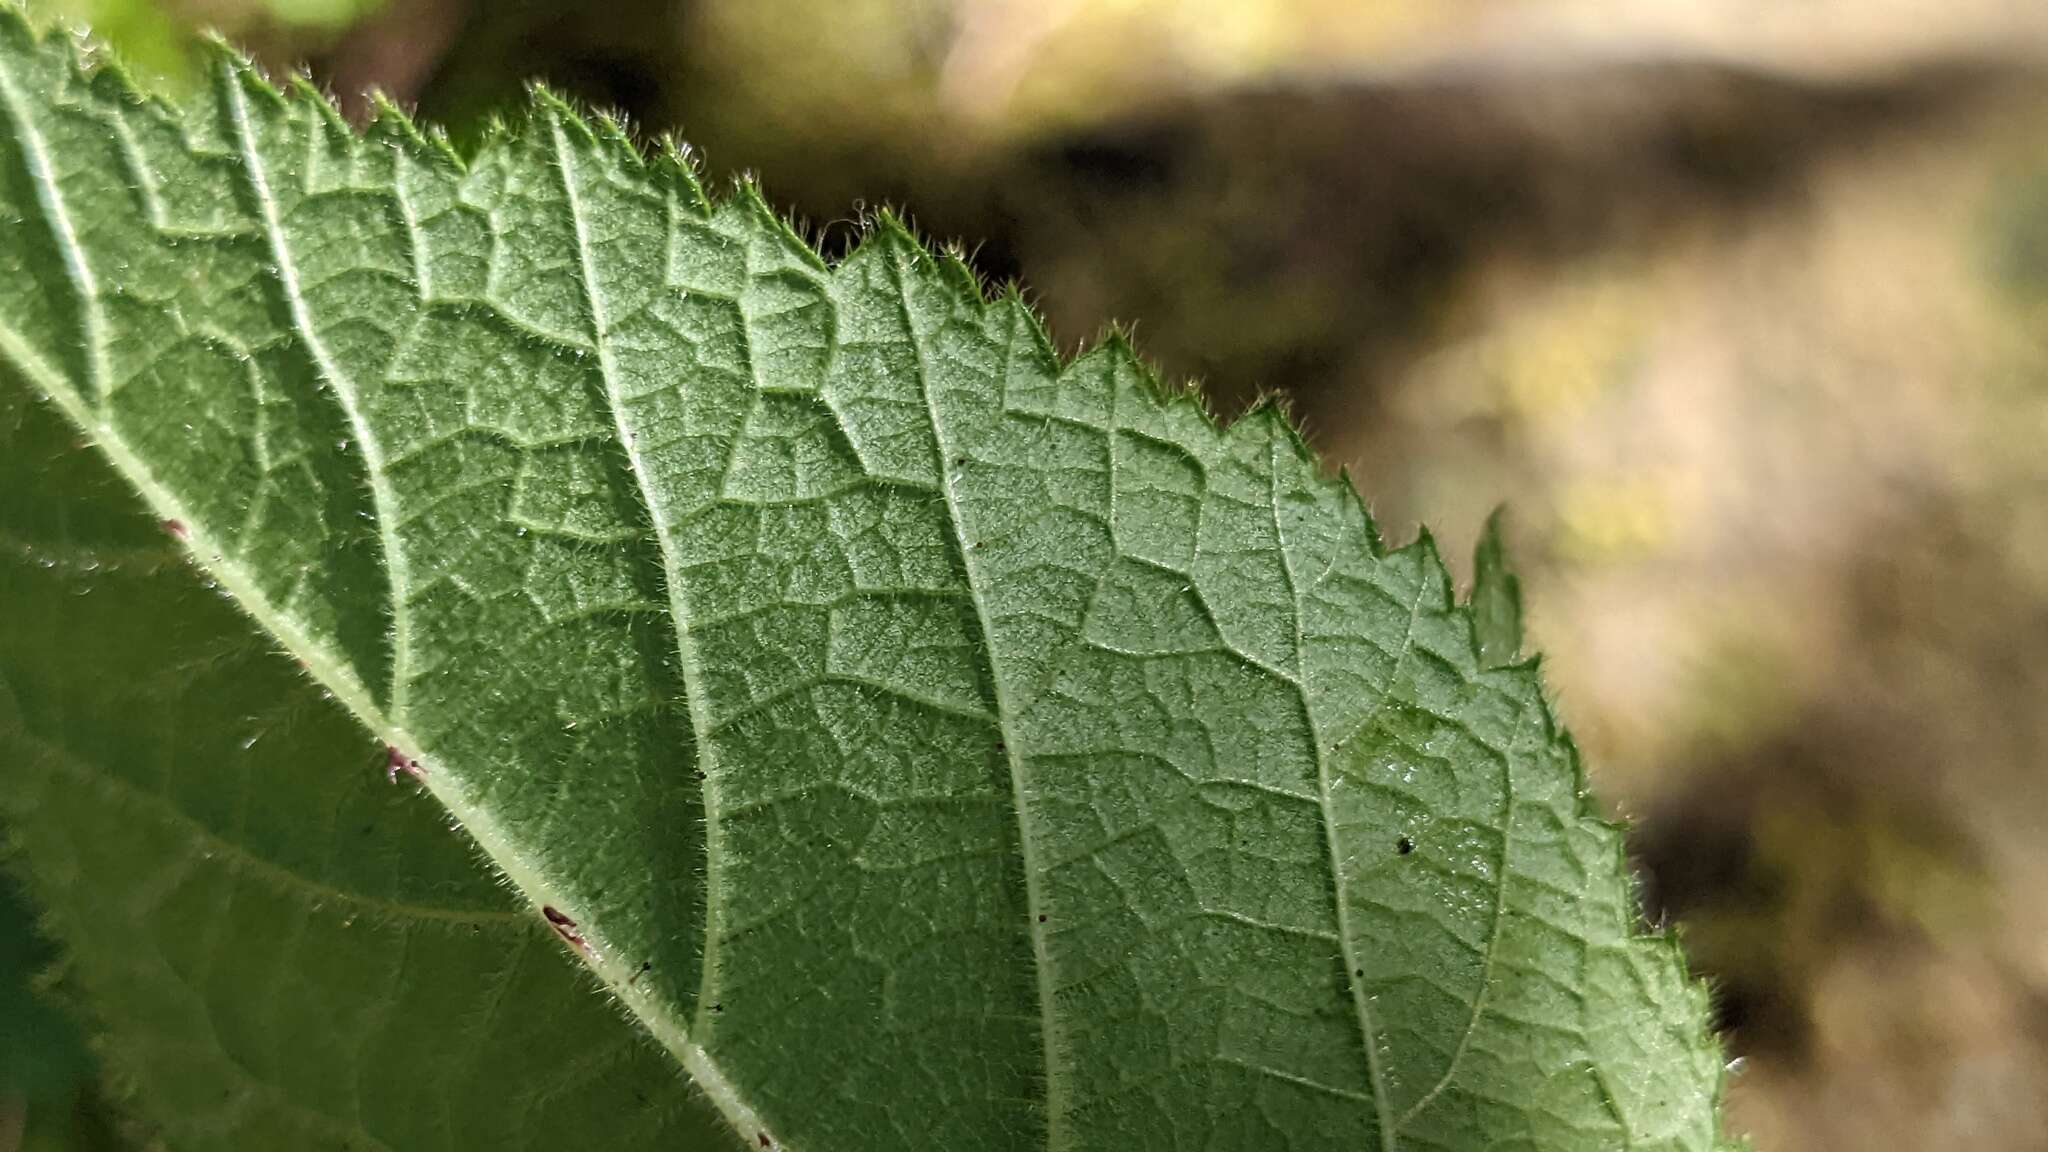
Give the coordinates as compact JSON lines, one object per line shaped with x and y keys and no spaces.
{"x":1496,"y":599}
{"x":287,"y":950}
{"x":50,"y":1098}
{"x":931,"y":744}
{"x":42,"y":1055}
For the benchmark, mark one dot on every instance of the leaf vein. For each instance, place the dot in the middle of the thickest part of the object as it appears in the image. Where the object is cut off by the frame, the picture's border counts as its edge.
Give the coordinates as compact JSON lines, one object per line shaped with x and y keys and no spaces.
{"x":283,"y":270}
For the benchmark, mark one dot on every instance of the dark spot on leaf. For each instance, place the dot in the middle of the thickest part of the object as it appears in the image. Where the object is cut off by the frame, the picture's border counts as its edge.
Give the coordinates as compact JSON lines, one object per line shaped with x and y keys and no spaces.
{"x":396,"y":762}
{"x":639,"y":972}
{"x":718,"y":1007}
{"x":1041,"y":917}
{"x":1404,"y":845}
{"x":564,"y":927}
{"x":766,"y":1142}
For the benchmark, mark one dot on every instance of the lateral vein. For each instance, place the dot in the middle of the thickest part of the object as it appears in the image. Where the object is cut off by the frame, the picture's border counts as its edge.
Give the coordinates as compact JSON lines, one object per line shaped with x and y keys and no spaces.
{"x":687,"y":1045}
{"x":384,"y":501}
{"x":1361,"y":1004}
{"x":58,"y":216}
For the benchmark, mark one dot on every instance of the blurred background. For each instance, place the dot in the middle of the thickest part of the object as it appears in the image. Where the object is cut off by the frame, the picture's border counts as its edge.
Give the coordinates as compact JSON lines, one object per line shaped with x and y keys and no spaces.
{"x":1741,"y":306}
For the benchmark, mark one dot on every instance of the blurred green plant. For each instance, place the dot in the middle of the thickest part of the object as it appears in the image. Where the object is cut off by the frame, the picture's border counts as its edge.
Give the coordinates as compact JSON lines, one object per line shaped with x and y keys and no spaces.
{"x":160,"y":40}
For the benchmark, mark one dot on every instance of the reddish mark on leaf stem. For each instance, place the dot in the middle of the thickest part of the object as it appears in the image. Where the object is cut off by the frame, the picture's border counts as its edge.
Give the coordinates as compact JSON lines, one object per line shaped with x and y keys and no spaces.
{"x":396,"y":762}
{"x":177,"y":529}
{"x":564,"y":927}
{"x":766,"y":1142}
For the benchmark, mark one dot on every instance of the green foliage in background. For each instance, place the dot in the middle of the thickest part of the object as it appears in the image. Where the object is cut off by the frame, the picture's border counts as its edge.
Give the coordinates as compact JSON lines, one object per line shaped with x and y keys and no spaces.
{"x":929,"y":744}
{"x":154,"y":39}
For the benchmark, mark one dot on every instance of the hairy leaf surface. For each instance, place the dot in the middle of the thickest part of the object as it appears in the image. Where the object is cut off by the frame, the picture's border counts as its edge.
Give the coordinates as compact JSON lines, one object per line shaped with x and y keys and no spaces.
{"x":933,"y":744}
{"x":288,"y":950}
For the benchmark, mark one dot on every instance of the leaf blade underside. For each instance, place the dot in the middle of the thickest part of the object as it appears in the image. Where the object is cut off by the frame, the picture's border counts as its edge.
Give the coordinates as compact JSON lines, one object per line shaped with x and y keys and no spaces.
{"x":933,"y":744}
{"x":286,"y":950}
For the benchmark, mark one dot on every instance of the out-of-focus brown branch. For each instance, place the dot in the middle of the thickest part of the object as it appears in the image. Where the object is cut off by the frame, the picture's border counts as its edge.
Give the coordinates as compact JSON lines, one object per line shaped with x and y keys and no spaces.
{"x":395,"y":52}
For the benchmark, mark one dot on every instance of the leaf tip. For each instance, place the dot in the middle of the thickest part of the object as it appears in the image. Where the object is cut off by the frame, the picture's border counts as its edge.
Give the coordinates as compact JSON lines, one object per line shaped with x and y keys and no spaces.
{"x":1496,"y":597}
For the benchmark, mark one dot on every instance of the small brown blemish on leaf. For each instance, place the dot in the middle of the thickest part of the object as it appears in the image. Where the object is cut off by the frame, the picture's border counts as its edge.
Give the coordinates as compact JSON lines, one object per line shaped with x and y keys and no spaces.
{"x":639,"y":972}
{"x":1041,"y":917}
{"x":564,"y":927}
{"x":765,"y":1141}
{"x":1404,"y":845}
{"x":396,"y":762}
{"x":177,"y":529}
